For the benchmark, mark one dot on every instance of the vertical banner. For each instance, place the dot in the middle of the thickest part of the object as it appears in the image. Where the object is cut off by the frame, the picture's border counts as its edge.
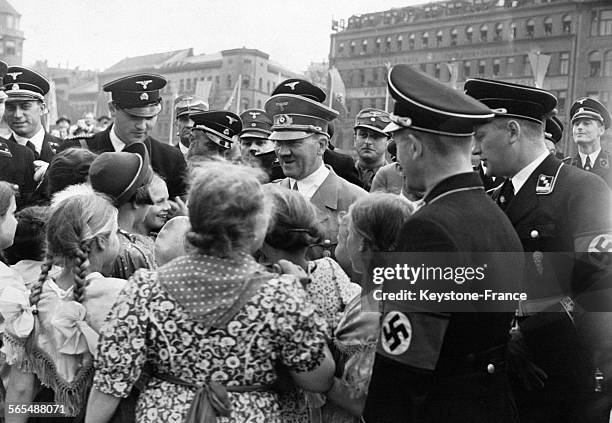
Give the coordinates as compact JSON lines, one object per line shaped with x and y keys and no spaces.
{"x":453,"y":71}
{"x":539,"y":66}
{"x":337,"y":90}
{"x":230,"y":100}
{"x":388,"y":67}
{"x":203,"y":89}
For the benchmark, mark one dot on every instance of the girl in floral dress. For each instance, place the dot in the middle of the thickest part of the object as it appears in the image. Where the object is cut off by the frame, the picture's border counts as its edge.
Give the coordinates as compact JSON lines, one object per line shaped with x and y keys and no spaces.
{"x":211,"y":327}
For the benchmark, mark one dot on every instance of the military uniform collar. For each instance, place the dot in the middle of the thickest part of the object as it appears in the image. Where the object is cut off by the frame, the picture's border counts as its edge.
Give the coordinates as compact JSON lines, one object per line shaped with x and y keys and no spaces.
{"x":118,"y":145}
{"x":593,"y":156}
{"x":456,"y":183}
{"x":37,"y":139}
{"x":522,"y":175}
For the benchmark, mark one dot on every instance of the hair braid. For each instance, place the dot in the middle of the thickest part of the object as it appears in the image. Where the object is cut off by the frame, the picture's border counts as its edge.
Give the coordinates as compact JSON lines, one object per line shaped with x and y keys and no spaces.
{"x":37,"y":288}
{"x":81,"y":265}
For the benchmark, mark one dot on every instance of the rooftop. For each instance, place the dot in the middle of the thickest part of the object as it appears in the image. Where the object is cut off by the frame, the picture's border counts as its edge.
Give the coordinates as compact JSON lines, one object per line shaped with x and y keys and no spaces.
{"x":149,"y":61}
{"x":5,"y":7}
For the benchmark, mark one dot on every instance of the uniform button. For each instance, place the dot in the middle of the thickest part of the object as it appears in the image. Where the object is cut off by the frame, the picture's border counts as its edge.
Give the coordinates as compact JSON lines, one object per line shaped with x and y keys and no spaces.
{"x":534,"y":234}
{"x":490,"y":368}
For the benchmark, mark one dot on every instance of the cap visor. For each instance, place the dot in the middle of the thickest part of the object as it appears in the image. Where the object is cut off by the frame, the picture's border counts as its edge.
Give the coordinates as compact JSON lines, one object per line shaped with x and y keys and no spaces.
{"x":254,"y":134}
{"x":24,"y":96}
{"x":392,"y":127}
{"x":289,"y":135}
{"x":373,"y":128}
{"x":144,"y":111}
{"x":587,"y":115}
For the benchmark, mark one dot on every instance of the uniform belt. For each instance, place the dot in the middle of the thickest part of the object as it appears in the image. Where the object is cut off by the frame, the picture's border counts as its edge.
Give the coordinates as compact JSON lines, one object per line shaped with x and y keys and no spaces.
{"x":550,"y":304}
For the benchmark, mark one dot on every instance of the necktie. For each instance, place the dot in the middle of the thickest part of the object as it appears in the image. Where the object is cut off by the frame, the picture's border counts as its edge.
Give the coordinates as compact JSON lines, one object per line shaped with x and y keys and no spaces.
{"x":295,"y":187}
{"x":587,"y":164}
{"x":506,"y":195}
{"x":30,"y":145}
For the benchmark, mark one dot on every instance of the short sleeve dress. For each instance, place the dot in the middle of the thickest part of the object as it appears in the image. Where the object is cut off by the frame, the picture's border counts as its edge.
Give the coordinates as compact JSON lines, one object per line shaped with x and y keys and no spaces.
{"x":148,"y":326}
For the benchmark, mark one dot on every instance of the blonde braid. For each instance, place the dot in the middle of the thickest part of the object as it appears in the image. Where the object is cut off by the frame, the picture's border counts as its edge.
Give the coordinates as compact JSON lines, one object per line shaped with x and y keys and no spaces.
{"x":37,"y":288}
{"x":80,"y":270}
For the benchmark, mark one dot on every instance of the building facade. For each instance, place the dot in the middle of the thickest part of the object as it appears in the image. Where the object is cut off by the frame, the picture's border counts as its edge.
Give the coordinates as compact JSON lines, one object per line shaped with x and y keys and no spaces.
{"x":499,"y":39}
{"x":11,"y":37}
{"x":242,"y":77}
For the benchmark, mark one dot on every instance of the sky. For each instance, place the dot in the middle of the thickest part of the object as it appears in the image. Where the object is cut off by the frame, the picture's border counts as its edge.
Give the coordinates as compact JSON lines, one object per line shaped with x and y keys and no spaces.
{"x":95,"y":34}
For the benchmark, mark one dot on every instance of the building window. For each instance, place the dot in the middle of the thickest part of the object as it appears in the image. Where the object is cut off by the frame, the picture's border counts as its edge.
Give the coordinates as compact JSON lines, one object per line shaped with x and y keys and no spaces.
{"x":608,"y":64}
{"x":481,"y":67}
{"x":377,"y":45}
{"x":605,"y":22}
{"x":399,"y":43}
{"x":561,"y":100}
{"x":453,"y":36}
{"x":341,"y":48}
{"x":530,"y":27}
{"x":513,"y":31}
{"x":423,"y":67}
{"x":527,"y":66}
{"x":375,"y":75}
{"x":411,"y":42}
{"x":548,"y":26}
{"x":10,"y":21}
{"x":188,"y":85}
{"x":564,"y":59}
{"x":388,"y":44}
{"x":247,"y":61}
{"x":496,"y":67}
{"x":260,"y":84}
{"x":259,"y":104}
{"x":567,"y":24}
{"x":437,"y":71}
{"x":510,"y":66}
{"x":467,"y":69}
{"x":425,"y":39}
{"x":229,"y":82}
{"x":595,"y":64}
{"x":352,"y":47}
{"x":361,"y":77}
{"x":364,"y":46}
{"x":483,"y":32}
{"x":182,"y":85}
{"x":469,"y":34}
{"x":499,"y":29}
{"x":439,"y":38}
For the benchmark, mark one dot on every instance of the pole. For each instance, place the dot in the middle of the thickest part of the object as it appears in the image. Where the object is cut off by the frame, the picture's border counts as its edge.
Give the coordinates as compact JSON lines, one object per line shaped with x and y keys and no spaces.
{"x":239,"y":95}
{"x":331,"y":87}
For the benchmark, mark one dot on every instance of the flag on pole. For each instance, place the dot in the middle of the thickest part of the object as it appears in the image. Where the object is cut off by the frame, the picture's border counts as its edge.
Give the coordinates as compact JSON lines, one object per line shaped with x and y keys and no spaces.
{"x":171,"y":134}
{"x":453,"y":70}
{"x":203,"y":89}
{"x":388,"y":67}
{"x":337,"y":90}
{"x":230,"y":100}
{"x":51,"y":106}
{"x":539,"y":66}
{"x":239,"y":94}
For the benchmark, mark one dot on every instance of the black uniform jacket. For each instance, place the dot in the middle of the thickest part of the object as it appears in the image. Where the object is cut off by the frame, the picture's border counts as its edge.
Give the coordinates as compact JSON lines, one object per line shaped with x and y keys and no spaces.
{"x":17,"y":167}
{"x":343,"y":165}
{"x":166,"y":160}
{"x":458,"y":217}
{"x":601,"y":166}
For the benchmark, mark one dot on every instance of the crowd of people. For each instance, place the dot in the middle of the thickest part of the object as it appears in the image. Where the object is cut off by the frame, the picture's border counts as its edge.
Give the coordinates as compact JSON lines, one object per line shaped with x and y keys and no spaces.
{"x":228,"y":278}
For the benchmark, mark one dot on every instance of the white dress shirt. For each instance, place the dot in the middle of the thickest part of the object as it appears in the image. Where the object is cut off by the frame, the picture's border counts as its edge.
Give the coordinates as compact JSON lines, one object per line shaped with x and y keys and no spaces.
{"x":184,"y":149}
{"x":118,"y":145}
{"x":521,"y":177}
{"x":37,"y":139}
{"x":592,"y":156}
{"x":310,"y":184}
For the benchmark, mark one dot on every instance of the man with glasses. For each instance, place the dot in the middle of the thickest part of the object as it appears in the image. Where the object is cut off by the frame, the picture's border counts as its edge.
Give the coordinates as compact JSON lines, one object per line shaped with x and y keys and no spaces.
{"x":371,"y":143}
{"x":135,"y":105}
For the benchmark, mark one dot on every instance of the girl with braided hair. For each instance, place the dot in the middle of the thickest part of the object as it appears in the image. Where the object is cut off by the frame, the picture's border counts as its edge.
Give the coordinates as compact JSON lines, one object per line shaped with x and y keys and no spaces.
{"x":53,"y":335}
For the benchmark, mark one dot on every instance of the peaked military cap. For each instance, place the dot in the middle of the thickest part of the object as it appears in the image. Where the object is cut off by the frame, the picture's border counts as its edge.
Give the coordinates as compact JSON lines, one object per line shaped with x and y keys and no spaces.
{"x":255,"y":124}
{"x":553,"y":130}
{"x":187,"y":104}
{"x":137,"y":94}
{"x":592,"y":109}
{"x":424,"y":104}
{"x":512,"y":100}
{"x":374,"y":119}
{"x":120,"y":174}
{"x":219,"y":125}
{"x":300,"y":87}
{"x":296,"y":117}
{"x":21,"y":83}
{"x":3,"y":70}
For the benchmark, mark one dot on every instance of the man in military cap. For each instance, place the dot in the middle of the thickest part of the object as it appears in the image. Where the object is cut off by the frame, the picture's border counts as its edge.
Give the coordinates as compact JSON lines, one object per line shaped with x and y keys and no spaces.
{"x":300,"y":139}
{"x":590,"y":119}
{"x":561,"y":352}
{"x":371,"y":143}
{"x":343,"y":164}
{"x":439,"y":366}
{"x":255,"y":146}
{"x":16,"y":161}
{"x":213,"y":133}
{"x":135,"y":104}
{"x":184,"y":105}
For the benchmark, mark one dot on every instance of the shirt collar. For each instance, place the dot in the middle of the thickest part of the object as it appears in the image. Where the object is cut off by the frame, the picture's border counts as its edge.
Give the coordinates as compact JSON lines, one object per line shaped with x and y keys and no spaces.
{"x":118,"y":145}
{"x":184,"y":149}
{"x":521,"y":177}
{"x":458,"y":182}
{"x":37,"y":139}
{"x":592,"y":156}
{"x":310,"y":184}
